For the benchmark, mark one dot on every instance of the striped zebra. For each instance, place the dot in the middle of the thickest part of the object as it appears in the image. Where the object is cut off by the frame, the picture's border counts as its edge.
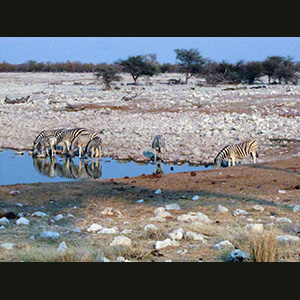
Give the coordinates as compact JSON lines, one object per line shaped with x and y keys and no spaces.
{"x":158,"y":144}
{"x":45,"y":139}
{"x":69,"y":135}
{"x":81,"y":141}
{"x":233,"y":151}
{"x":95,"y":146}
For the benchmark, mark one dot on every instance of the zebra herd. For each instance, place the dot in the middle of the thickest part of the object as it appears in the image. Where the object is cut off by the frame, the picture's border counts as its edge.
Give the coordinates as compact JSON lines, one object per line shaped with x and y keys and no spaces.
{"x":92,"y":142}
{"x":71,"y":138}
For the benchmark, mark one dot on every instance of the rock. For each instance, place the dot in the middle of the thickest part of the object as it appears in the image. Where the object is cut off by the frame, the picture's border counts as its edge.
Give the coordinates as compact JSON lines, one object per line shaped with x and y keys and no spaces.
{"x":258,"y":207}
{"x":58,"y":217}
{"x":121,"y":241}
{"x":49,"y":235}
{"x":191,"y":235}
{"x":62,"y":247}
{"x":281,"y":191}
{"x":176,"y":234}
{"x":255,"y":228}
{"x":173,"y":206}
{"x":222,"y":209}
{"x":223,"y":246}
{"x":287,"y":238}
{"x":13,"y":193}
{"x":104,"y":259}
{"x":8,"y":246}
{"x":39,"y":214}
{"x":196,"y":197}
{"x":4,"y":221}
{"x":140,"y":201}
{"x":161,"y":212}
{"x":283,"y":220}
{"x":150,"y":229}
{"x":158,"y":191}
{"x":165,"y":243}
{"x":94,"y":227}
{"x":238,"y":212}
{"x":238,"y":255}
{"x":22,"y":221}
{"x":109,"y":211}
{"x":194,"y":217}
{"x":104,"y":230}
{"x":296,"y":208}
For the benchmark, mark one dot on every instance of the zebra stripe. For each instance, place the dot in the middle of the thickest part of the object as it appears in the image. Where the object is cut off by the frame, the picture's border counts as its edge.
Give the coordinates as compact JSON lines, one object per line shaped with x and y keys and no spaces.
{"x":47,"y":138}
{"x":69,"y":135}
{"x":82,"y":140}
{"x":95,"y":146}
{"x":233,"y":151}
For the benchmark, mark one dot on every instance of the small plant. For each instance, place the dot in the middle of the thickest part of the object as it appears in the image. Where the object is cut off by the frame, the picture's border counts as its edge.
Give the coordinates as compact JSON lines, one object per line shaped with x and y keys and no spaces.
{"x":263,"y":246}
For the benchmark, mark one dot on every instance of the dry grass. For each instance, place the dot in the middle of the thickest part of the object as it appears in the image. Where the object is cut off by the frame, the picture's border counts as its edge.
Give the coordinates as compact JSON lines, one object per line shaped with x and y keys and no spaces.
{"x":263,"y":246}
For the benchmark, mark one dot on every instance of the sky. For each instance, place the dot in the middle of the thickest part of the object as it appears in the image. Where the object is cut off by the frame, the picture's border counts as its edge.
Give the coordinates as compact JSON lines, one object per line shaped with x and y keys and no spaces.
{"x":16,"y":50}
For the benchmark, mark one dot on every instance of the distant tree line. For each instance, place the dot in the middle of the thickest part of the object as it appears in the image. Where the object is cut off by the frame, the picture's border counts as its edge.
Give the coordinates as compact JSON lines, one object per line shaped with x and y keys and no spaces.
{"x":278,"y":69}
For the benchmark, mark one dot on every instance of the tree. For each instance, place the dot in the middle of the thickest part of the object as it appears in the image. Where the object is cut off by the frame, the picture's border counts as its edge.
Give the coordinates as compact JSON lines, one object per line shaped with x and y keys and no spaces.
{"x":190,"y":62}
{"x":250,"y":71}
{"x":138,"y":66}
{"x":108,"y":73}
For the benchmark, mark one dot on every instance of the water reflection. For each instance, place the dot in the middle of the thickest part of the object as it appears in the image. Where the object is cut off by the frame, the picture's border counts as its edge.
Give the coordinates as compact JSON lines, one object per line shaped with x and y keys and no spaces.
{"x":50,"y":167}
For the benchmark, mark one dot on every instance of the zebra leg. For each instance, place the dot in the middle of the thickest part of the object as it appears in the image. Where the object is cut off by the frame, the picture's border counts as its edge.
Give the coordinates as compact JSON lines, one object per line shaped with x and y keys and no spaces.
{"x":233,"y":161}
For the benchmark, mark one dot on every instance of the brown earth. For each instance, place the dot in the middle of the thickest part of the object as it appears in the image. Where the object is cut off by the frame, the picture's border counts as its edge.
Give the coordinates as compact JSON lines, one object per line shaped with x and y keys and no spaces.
{"x":235,"y":187}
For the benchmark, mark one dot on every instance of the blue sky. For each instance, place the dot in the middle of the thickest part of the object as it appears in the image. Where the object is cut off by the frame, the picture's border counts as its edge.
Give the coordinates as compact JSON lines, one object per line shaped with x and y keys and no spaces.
{"x":109,"y":49}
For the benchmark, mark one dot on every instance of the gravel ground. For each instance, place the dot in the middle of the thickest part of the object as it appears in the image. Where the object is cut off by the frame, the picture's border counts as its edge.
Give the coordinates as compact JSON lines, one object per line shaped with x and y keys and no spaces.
{"x":197,"y":121}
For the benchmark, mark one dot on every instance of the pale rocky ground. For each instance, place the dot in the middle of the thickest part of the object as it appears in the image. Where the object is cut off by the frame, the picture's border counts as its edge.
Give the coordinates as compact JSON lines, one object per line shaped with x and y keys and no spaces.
{"x":188,"y":216}
{"x":197,"y":121}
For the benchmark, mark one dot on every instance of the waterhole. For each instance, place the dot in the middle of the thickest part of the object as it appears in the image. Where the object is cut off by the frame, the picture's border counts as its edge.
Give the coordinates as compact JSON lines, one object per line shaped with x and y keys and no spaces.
{"x":17,"y":169}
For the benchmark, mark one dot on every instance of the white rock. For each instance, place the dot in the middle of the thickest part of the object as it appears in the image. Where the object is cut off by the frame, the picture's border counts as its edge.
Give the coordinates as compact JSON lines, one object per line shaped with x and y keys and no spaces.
{"x":104,"y":230}
{"x":22,"y":221}
{"x":151,"y":228}
{"x":296,"y":208}
{"x":194,"y":217}
{"x":238,"y":255}
{"x":222,"y":209}
{"x":104,"y":259}
{"x":58,"y":217}
{"x":8,"y":246}
{"x":161,"y":212}
{"x":121,"y":241}
{"x":140,"y":201}
{"x":196,"y":197}
{"x":176,"y":234}
{"x":283,"y":220}
{"x":51,"y":235}
{"x":255,"y":228}
{"x":62,"y":247}
{"x":287,"y":238}
{"x":39,"y":214}
{"x":281,"y":191}
{"x":224,"y":245}
{"x":173,"y":206}
{"x":15,"y":192}
{"x":191,"y":235}
{"x":165,"y":243}
{"x":158,"y":191}
{"x":258,"y":207}
{"x":94,"y":227}
{"x":238,"y":212}
{"x":4,"y":221}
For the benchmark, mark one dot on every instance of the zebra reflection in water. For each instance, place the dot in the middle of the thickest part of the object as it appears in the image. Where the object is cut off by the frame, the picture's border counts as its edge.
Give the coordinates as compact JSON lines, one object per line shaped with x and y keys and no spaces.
{"x":68,"y":169}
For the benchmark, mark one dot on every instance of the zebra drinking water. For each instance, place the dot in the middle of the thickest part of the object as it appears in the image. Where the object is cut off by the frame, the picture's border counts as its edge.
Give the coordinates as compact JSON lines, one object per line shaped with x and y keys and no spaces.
{"x":233,"y":151}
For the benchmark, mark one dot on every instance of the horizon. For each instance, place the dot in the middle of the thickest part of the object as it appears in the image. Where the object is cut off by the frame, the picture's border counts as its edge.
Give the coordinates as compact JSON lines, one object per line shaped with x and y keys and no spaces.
{"x":18,"y":50}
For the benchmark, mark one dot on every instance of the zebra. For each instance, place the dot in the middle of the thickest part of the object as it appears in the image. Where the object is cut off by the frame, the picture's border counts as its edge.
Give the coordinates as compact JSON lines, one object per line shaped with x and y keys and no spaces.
{"x":47,"y":138}
{"x":69,"y":135}
{"x":95,"y":146}
{"x":233,"y":151}
{"x":158,"y":144}
{"x":82,"y":140}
